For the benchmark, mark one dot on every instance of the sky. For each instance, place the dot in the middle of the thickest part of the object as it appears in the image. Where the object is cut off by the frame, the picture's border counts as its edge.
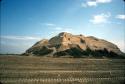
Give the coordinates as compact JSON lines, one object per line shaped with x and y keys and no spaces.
{"x":24,"y":22}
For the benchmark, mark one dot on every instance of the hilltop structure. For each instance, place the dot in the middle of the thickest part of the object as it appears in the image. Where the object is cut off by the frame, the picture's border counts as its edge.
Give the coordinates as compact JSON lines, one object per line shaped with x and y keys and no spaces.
{"x":66,"y":44}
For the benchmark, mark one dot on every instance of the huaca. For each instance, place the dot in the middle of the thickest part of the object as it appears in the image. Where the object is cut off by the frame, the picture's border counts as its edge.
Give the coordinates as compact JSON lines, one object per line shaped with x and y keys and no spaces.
{"x":69,"y":45}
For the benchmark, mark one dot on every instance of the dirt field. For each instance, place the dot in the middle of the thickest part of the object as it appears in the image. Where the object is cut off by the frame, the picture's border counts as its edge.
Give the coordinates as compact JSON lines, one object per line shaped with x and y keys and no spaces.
{"x":41,"y":70}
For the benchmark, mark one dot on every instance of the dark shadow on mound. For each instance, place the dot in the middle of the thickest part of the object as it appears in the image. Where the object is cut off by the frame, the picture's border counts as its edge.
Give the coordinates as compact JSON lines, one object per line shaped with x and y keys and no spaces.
{"x":43,"y":51}
{"x":78,"y":53}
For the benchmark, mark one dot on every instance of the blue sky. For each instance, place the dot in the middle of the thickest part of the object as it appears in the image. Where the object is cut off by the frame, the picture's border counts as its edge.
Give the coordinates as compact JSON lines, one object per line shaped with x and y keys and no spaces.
{"x":24,"y":22}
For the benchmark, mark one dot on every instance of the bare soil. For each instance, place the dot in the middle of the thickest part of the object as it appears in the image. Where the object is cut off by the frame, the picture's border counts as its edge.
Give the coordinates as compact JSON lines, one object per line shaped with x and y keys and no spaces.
{"x":48,"y":70}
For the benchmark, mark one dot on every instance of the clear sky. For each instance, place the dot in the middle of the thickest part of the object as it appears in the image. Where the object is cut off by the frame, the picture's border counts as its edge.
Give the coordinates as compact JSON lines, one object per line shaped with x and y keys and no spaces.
{"x":24,"y":22}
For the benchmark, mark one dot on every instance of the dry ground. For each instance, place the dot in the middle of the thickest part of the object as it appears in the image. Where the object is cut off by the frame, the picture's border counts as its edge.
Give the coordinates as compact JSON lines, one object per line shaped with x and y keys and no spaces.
{"x":43,"y":70}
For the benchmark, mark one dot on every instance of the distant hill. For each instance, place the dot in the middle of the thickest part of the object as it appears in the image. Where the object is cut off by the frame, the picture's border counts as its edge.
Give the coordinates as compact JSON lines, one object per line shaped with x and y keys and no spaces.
{"x":68,"y":45}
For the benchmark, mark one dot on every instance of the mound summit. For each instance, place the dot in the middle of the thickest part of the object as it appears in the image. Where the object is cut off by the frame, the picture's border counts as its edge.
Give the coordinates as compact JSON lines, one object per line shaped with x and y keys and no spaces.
{"x":68,"y":45}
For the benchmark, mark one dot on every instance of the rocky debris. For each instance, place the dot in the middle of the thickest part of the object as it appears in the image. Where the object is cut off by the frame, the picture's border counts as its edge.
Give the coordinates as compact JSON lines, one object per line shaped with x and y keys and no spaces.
{"x":66,"y":44}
